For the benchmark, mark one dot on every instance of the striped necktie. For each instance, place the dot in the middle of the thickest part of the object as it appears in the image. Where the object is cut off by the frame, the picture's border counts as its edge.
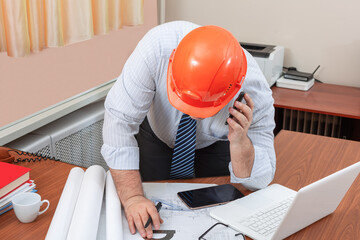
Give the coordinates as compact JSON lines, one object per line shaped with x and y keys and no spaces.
{"x":182,"y":165}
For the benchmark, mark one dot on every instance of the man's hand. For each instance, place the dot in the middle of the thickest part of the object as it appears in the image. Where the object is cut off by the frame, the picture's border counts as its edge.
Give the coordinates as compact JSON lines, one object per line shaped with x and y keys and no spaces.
{"x":137,"y":207}
{"x":137,"y":211}
{"x":241,"y":148}
{"x":240,"y":123}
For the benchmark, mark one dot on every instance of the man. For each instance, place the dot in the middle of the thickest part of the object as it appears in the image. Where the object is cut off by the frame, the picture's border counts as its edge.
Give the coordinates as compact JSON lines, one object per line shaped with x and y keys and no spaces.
{"x":180,"y":75}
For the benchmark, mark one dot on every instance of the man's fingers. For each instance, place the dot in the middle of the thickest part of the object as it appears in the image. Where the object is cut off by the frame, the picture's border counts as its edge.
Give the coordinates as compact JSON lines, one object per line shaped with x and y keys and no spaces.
{"x":249,"y":101}
{"x":155,"y":218}
{"x":238,"y":116}
{"x":234,"y":124}
{"x":144,"y":216}
{"x":244,"y":109}
{"x":140,"y":225}
{"x":131,"y":225}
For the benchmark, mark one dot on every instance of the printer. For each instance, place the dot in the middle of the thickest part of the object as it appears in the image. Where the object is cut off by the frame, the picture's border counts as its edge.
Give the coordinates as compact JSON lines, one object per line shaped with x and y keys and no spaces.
{"x":270,"y":59}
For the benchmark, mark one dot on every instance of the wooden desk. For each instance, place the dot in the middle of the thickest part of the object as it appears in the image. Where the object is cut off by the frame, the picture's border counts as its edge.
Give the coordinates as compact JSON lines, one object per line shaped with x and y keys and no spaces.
{"x":323,"y":99}
{"x":301,"y":159}
{"x":305,"y":158}
{"x":50,"y":178}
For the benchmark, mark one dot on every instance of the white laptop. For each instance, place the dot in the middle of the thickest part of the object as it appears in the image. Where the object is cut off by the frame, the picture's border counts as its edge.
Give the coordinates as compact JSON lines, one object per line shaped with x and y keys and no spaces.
{"x":276,"y":212}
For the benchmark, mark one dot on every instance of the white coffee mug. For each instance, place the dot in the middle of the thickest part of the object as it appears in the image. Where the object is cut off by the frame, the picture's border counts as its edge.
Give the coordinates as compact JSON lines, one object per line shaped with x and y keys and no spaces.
{"x":27,"y":206}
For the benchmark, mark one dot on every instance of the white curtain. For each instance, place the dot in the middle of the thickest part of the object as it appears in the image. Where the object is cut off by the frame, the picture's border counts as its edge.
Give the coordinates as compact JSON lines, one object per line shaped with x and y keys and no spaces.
{"x":32,"y":25}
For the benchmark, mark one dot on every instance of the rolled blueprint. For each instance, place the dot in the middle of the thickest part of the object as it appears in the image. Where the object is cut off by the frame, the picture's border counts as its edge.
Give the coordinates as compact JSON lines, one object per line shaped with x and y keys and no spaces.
{"x":85,"y":220}
{"x":61,"y":220}
{"x":113,"y":211}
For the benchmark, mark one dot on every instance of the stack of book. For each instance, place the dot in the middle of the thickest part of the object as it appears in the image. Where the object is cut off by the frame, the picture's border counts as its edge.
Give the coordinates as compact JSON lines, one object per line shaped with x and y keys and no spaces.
{"x":294,"y":79}
{"x":14,"y":179}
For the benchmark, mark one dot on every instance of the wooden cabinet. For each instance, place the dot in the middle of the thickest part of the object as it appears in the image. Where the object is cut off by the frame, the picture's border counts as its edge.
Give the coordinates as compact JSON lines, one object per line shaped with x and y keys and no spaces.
{"x":325,"y":109}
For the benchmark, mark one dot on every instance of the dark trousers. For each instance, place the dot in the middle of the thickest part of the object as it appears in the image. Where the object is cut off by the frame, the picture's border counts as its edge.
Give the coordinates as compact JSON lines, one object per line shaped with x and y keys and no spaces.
{"x":155,"y":157}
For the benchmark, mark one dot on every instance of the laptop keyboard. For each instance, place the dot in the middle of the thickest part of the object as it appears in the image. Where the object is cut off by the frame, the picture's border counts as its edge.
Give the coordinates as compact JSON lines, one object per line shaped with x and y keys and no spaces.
{"x":265,"y":222}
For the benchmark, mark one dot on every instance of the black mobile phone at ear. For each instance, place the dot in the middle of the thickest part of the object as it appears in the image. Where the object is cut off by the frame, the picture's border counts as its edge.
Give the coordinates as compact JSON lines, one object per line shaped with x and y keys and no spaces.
{"x":209,"y":196}
{"x":239,"y":98}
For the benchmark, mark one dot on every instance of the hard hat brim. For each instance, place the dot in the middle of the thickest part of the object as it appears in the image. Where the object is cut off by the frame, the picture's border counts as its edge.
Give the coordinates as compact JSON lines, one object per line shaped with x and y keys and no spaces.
{"x":193,"y":111}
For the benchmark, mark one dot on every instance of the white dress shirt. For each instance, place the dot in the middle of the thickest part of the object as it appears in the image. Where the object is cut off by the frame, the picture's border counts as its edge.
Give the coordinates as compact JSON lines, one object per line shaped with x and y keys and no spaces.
{"x":140,"y":91}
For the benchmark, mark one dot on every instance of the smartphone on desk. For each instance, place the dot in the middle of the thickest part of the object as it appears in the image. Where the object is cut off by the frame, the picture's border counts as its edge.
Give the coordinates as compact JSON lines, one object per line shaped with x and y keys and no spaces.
{"x":209,"y":196}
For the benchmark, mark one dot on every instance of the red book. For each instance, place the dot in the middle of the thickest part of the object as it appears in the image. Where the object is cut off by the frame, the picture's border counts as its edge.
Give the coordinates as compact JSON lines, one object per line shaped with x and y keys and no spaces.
{"x":11,"y":177}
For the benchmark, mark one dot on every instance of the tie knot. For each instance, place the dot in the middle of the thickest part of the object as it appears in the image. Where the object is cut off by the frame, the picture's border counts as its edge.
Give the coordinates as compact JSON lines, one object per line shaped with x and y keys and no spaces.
{"x":186,"y":123}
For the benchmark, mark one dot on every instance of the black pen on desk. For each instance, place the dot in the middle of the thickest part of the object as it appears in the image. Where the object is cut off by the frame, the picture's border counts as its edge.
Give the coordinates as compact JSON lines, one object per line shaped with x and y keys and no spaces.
{"x":158,"y":207}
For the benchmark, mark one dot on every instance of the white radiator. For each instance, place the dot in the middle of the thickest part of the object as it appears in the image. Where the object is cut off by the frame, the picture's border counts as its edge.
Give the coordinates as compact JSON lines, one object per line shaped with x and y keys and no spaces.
{"x":75,"y":138}
{"x":33,"y":143}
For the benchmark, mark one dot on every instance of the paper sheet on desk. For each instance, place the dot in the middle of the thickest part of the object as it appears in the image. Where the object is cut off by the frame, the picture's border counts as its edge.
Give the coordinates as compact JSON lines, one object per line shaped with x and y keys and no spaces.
{"x":187,"y":224}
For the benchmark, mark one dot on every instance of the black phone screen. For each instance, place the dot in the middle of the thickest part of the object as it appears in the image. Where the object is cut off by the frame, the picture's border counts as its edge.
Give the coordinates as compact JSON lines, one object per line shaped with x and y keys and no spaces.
{"x":210,"y":196}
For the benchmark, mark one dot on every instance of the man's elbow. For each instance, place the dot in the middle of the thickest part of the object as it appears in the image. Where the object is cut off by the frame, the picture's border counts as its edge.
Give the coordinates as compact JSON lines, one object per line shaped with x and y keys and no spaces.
{"x":259,"y":182}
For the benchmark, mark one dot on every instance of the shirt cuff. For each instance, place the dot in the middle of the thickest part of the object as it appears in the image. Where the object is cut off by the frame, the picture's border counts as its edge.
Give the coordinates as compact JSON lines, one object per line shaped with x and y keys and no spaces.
{"x":261,"y":173}
{"x":125,"y":158}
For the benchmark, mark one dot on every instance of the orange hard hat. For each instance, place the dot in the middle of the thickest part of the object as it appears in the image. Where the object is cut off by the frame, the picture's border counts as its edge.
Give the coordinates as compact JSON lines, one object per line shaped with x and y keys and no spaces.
{"x":205,"y":71}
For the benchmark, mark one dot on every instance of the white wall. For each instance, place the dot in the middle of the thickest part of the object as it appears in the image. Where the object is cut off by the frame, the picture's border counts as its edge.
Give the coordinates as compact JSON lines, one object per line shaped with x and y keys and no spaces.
{"x":313,"y":32}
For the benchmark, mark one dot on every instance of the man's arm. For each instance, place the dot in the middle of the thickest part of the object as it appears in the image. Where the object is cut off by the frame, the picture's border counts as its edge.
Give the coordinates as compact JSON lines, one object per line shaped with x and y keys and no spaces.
{"x":251,"y":139}
{"x":262,"y":165}
{"x":241,"y":149}
{"x":126,"y":106}
{"x":137,"y":207}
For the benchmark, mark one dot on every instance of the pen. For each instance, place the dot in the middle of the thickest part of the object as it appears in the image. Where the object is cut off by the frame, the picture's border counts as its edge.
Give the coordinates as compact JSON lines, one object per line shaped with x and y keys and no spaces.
{"x":158,"y":207}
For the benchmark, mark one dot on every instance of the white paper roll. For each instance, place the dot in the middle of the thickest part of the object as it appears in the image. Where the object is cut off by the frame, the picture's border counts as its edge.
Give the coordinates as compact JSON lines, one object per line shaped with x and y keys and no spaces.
{"x":61,"y":220}
{"x":101,"y":233}
{"x":113,"y":211}
{"x":85,"y":220}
